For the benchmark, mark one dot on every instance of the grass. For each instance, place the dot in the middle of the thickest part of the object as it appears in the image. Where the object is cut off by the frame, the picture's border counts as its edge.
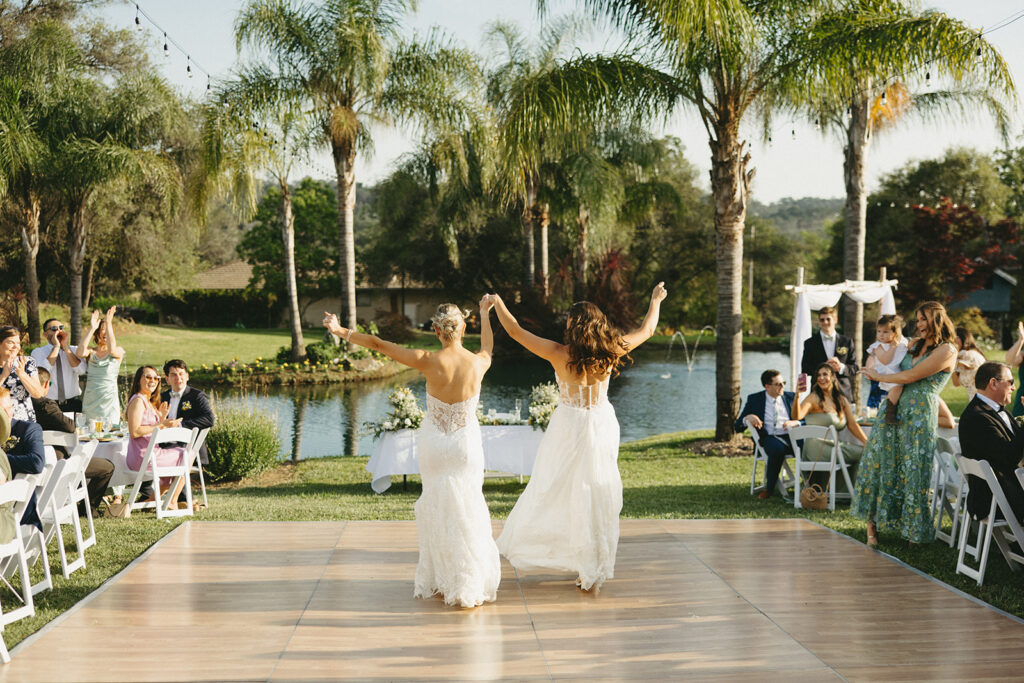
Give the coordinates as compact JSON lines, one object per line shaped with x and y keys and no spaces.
{"x":661,"y":477}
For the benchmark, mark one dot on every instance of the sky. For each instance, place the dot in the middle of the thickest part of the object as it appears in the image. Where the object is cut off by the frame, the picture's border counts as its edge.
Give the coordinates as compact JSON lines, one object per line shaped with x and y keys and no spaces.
{"x":805,"y":165}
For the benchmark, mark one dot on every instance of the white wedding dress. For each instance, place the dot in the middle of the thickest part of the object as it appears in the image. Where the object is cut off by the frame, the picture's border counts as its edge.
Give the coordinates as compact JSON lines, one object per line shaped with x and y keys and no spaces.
{"x":458,"y":557}
{"x":568,"y":516}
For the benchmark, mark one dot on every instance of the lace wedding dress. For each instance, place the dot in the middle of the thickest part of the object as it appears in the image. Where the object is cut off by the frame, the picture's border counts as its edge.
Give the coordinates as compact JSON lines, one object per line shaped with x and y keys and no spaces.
{"x":458,"y":557}
{"x":568,"y":517}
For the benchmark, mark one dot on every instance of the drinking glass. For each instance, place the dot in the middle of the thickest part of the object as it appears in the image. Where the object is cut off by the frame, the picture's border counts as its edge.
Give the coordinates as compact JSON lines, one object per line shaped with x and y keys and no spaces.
{"x":97,"y":426}
{"x":519,"y":408}
{"x":80,"y":423}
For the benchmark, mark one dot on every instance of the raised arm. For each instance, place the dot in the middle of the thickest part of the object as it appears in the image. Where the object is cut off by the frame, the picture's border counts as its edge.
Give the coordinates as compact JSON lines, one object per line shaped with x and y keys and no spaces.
{"x":83,"y":350}
{"x":545,"y":348}
{"x":801,"y":408}
{"x":1013,"y":353}
{"x":486,"y":333}
{"x":115,"y":350}
{"x":650,"y":323}
{"x":941,"y":358}
{"x":414,"y":358}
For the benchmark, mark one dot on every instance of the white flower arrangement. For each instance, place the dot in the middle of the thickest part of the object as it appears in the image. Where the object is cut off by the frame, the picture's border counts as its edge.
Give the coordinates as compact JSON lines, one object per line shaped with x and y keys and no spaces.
{"x":543,"y":401}
{"x":405,"y":414}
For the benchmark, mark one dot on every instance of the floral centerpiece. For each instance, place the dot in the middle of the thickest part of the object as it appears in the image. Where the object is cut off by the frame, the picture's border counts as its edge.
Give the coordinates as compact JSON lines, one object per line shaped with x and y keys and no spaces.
{"x":405,"y":414}
{"x":543,"y":400}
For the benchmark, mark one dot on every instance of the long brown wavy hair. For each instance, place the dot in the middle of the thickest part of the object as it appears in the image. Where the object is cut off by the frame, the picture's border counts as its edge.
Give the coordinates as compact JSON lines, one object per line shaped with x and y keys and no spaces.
{"x":594,"y":345}
{"x":941,"y":329}
{"x":834,"y":393}
{"x":154,"y":398}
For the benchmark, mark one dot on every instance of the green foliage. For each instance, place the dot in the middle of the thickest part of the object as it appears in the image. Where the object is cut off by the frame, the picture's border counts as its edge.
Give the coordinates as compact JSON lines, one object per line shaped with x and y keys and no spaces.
{"x":138,"y":311}
{"x":972,"y":319}
{"x":315,"y":207}
{"x":242,"y":444}
{"x":219,"y":307}
{"x":317,"y":352}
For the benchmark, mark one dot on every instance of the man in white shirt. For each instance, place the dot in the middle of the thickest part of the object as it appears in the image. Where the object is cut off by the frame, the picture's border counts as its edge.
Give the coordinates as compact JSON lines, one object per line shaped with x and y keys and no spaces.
{"x":832,"y":348}
{"x":767,"y":412}
{"x":64,"y":365}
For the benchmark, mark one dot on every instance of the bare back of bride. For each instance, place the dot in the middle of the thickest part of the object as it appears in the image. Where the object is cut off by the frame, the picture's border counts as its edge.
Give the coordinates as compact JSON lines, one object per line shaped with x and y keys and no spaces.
{"x":458,"y":558}
{"x":567,"y":519}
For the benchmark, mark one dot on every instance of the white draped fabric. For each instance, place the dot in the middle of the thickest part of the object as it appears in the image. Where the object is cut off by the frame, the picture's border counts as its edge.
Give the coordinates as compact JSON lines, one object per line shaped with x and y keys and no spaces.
{"x":814,"y":297}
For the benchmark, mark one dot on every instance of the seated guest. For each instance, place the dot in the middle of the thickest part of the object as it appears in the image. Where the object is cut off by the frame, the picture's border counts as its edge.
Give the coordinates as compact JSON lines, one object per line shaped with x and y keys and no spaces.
{"x":25,"y":455}
{"x":49,"y":416}
{"x":18,"y":374}
{"x":826,"y":406}
{"x":767,"y":412}
{"x":63,"y":364}
{"x":186,"y":403}
{"x":987,"y":432}
{"x":145,"y":414}
{"x":48,"y":413}
{"x":7,"y":521}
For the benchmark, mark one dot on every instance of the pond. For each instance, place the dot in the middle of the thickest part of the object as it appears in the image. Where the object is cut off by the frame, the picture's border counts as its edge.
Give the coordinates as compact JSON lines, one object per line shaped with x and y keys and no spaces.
{"x":659,"y":393}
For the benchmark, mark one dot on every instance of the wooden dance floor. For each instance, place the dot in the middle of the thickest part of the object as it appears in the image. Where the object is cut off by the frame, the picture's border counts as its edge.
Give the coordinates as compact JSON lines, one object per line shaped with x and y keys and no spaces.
{"x":747,"y":600}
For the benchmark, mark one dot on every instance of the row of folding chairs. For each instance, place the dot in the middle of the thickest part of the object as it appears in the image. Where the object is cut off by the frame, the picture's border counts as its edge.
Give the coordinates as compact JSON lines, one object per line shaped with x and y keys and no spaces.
{"x":1000,"y":524}
{"x":790,"y":479}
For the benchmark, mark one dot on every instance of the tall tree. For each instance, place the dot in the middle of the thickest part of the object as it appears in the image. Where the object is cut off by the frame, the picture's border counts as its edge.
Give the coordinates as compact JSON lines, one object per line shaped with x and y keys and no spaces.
{"x":345,"y":60}
{"x":858,"y":63}
{"x":109,"y":133}
{"x":725,"y":57}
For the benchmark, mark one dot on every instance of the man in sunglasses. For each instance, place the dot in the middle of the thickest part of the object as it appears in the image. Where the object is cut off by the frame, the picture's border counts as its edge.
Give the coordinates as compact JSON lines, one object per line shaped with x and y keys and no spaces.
{"x":768,"y":413}
{"x":64,"y":366}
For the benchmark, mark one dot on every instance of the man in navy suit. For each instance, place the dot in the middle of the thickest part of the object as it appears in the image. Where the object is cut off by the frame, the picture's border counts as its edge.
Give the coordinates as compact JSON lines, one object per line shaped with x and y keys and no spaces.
{"x":188,"y":403}
{"x":827,"y":346}
{"x":768,"y":412}
{"x":988,"y":432}
{"x":27,"y":455}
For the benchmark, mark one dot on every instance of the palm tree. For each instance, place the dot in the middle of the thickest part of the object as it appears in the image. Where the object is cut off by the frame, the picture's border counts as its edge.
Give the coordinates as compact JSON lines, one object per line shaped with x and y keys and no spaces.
{"x":235,"y":146}
{"x":862,"y":57}
{"x":725,"y":58}
{"x":344,"y":60}
{"x":547,"y":107}
{"x":109,"y":133}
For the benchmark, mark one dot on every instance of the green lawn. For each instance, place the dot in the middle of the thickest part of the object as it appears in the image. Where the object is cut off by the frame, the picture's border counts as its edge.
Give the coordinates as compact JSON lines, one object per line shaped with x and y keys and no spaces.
{"x":661,"y":479}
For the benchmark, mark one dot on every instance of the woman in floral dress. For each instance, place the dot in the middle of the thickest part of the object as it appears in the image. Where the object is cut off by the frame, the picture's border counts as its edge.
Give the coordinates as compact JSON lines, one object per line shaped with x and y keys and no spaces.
{"x":892,"y":486}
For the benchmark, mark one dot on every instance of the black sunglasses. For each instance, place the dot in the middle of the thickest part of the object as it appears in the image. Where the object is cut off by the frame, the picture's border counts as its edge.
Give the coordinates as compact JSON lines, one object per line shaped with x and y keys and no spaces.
{"x":54,"y":328}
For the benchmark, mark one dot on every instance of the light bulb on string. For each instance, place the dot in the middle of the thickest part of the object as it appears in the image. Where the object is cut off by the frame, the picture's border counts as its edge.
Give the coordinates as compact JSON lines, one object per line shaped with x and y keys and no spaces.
{"x":928,"y":79}
{"x":817,"y":124}
{"x":977,"y":53}
{"x":794,"y":133}
{"x":207,"y":84}
{"x":138,"y":21}
{"x":769,"y":139}
{"x":167,"y":50}
{"x":883,"y":98}
{"x":188,"y":65}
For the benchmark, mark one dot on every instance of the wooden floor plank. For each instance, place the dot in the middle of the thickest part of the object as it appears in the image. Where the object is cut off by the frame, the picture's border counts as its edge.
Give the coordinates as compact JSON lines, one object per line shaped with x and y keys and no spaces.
{"x":703,"y":600}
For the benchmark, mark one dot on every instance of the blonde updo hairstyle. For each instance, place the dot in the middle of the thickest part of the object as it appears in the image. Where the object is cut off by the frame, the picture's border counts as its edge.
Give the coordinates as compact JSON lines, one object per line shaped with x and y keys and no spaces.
{"x":448,"y":321}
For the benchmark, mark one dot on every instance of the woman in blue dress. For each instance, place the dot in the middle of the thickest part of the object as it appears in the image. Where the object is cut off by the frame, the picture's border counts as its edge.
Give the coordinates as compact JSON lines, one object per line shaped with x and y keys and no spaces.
{"x":892,"y":486}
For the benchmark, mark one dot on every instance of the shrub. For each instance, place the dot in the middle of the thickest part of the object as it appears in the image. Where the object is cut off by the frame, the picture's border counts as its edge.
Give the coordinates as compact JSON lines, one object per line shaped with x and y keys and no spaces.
{"x":395,"y":328}
{"x":129,"y":308}
{"x":321,"y":352}
{"x":242,"y":444}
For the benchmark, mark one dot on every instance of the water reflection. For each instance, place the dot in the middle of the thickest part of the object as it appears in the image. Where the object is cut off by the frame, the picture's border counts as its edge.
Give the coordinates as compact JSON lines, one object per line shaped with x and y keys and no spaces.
{"x":654,"y":396}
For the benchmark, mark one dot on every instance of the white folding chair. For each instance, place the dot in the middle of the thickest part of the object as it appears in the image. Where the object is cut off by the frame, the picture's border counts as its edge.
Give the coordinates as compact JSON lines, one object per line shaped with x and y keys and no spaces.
{"x":166,"y":504}
{"x":949,"y":491}
{"x":786,"y":479}
{"x":16,"y":491}
{"x":71,"y":444}
{"x":999,"y":524}
{"x":198,"y":467}
{"x":835,"y":463}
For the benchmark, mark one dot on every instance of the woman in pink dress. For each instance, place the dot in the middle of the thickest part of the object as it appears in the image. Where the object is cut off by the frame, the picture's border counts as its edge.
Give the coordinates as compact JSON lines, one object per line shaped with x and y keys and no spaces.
{"x":145,"y":413}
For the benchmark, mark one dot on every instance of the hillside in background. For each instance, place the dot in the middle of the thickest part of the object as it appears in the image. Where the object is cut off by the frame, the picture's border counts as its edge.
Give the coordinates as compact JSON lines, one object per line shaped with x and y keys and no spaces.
{"x":794,"y":216}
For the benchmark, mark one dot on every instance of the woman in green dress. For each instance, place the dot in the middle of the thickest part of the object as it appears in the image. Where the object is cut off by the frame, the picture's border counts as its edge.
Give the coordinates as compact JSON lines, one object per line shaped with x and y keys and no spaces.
{"x":100,"y":399}
{"x":895,"y":472}
{"x":826,"y":406}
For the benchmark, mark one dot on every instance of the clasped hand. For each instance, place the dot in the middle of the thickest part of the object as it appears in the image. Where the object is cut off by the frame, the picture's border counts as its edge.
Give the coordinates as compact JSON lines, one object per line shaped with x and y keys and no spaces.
{"x":330,"y":321}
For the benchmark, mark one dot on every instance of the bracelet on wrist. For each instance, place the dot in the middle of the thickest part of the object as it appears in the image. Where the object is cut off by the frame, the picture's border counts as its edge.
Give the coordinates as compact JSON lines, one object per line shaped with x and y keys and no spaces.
{"x":348,"y":335}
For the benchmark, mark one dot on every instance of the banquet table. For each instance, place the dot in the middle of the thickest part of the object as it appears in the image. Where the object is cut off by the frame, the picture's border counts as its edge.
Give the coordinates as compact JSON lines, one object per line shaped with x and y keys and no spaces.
{"x":507,"y":448}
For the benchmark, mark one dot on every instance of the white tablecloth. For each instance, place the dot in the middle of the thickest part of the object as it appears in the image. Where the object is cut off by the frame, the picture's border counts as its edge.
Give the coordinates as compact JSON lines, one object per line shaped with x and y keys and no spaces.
{"x":116,"y":451}
{"x":507,"y":448}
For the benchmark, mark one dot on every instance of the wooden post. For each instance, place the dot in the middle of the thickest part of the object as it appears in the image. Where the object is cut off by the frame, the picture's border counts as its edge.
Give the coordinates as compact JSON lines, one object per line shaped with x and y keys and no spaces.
{"x":793,"y":342}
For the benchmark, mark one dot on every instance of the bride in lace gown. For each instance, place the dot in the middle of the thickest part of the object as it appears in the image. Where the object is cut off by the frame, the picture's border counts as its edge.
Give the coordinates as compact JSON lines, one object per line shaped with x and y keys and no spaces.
{"x":458,"y":558}
{"x":567,"y":519}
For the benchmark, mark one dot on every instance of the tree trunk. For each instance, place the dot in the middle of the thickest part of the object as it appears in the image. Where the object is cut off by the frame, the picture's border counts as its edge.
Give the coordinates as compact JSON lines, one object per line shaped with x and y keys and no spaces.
{"x":580,"y":289}
{"x":76,"y":258}
{"x":89,"y":281}
{"x":730,"y":183}
{"x":344,"y":166}
{"x":545,"y":220}
{"x":288,"y":237}
{"x":30,"y":245}
{"x":528,"y":246}
{"x":858,"y":139}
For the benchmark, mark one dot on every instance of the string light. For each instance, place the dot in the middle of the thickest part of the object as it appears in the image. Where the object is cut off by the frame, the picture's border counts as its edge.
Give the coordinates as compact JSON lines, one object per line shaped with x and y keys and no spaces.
{"x":167,"y":52}
{"x":138,"y":21}
{"x":928,"y":79}
{"x":188,"y":66}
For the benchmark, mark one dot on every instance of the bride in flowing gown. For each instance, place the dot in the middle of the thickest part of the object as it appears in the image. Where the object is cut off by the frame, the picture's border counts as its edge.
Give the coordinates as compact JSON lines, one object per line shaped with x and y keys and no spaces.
{"x":567,"y":519}
{"x":458,"y":558}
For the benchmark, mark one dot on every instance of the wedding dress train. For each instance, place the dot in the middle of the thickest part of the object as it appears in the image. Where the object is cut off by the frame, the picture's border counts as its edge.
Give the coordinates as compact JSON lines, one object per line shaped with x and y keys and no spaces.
{"x":458,"y":556}
{"x":568,"y":517}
